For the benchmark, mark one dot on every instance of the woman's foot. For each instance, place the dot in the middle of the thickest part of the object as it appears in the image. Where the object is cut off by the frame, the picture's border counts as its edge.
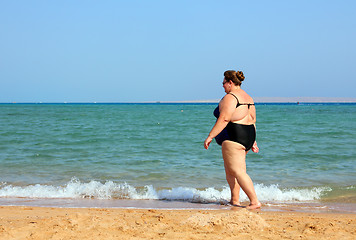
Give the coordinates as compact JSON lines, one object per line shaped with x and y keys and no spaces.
{"x":254,"y":206}
{"x":234,"y":203}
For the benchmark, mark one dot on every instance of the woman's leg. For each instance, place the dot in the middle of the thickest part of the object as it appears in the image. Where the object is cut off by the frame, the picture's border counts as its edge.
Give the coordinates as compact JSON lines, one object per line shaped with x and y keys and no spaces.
{"x":234,"y":155}
{"x":234,"y":188}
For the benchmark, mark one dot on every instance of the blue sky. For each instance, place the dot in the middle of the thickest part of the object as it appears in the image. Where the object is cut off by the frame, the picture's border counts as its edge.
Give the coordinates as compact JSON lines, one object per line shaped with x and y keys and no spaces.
{"x":127,"y":51}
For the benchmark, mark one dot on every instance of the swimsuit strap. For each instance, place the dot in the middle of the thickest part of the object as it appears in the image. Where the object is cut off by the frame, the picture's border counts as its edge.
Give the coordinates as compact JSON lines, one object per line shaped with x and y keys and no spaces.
{"x":238,"y":103}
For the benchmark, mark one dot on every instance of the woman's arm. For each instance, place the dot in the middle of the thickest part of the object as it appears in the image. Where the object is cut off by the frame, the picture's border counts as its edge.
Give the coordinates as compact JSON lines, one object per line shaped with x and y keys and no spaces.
{"x":255,"y":148}
{"x":226,"y":108}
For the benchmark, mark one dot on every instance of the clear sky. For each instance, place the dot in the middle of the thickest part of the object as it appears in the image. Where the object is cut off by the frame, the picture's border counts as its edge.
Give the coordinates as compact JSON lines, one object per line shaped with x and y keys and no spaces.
{"x":128,"y":51}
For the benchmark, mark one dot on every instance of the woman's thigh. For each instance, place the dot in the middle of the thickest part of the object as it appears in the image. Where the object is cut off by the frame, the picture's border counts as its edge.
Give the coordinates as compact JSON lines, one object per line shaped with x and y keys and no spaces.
{"x":234,"y":156}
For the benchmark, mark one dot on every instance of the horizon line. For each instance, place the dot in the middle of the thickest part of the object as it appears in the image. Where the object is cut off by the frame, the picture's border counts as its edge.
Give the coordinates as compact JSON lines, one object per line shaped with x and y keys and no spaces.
{"x":256,"y":100}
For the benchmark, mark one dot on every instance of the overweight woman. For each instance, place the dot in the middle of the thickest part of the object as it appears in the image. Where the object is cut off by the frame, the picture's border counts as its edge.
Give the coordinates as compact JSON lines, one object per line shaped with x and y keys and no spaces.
{"x":235,"y":131}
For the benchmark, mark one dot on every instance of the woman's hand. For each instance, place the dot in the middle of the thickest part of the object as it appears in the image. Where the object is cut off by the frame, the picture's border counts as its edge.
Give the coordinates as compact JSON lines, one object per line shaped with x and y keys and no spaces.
{"x":255,"y":148}
{"x":207,"y":142}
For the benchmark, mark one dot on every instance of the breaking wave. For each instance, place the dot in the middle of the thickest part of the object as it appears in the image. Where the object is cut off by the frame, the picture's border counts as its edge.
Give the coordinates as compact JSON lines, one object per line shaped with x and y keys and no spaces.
{"x":76,"y":189}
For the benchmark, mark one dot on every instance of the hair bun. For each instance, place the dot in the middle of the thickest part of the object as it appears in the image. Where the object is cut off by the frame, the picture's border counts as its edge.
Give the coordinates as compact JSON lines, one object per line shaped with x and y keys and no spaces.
{"x":240,"y":75}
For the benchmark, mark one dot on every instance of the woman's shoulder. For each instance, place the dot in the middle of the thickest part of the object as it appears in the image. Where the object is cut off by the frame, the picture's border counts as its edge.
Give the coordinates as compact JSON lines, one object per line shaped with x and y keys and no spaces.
{"x":245,"y":97}
{"x":228,"y":99}
{"x":241,"y":96}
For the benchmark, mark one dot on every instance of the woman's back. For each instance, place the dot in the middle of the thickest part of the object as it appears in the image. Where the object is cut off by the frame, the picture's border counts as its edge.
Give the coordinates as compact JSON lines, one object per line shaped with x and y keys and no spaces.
{"x":245,"y":112}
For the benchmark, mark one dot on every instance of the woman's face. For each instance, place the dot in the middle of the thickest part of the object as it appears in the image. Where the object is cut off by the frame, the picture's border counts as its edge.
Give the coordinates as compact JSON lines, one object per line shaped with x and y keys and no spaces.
{"x":226,"y":86}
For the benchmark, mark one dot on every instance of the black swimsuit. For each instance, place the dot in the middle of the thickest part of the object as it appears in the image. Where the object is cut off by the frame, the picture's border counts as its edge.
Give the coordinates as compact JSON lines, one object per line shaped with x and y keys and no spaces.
{"x":240,"y":133}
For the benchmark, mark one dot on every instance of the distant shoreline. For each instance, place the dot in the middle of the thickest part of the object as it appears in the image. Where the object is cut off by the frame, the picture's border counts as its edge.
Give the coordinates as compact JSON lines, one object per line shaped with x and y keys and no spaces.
{"x":282,"y":100}
{"x":306,"y":99}
{"x":256,"y":99}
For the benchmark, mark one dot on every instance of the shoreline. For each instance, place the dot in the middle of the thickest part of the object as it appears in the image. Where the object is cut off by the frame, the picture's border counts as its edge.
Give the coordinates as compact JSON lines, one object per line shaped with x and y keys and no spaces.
{"x":305,"y":207}
{"x":304,"y":100}
{"x":108,"y":223}
{"x":281,"y":100}
{"x":257,"y":100}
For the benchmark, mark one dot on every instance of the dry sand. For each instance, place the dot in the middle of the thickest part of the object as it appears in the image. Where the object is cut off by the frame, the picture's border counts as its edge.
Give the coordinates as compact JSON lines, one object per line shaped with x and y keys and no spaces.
{"x":99,"y":223}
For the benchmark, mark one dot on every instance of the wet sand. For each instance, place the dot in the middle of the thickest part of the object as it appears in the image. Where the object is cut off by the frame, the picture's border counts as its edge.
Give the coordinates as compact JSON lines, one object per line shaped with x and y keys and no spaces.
{"x":25,"y":222}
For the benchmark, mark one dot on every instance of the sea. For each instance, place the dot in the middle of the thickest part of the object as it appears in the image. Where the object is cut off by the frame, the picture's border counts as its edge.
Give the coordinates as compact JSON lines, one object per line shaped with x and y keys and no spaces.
{"x":151,"y":155}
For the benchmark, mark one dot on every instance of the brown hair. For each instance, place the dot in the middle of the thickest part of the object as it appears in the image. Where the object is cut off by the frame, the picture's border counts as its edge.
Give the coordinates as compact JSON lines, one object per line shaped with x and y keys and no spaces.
{"x":235,"y":77}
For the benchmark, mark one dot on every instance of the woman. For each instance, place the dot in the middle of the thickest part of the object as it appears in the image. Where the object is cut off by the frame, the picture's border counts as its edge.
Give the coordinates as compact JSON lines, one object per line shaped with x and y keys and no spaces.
{"x":236,"y":114}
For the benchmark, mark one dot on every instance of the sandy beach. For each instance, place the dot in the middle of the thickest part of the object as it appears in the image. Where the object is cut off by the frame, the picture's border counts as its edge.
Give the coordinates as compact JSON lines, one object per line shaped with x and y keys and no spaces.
{"x":110,"y":223}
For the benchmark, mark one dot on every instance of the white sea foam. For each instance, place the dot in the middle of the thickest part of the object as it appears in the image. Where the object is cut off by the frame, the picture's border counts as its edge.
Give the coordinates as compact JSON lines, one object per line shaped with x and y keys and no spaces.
{"x":109,"y":189}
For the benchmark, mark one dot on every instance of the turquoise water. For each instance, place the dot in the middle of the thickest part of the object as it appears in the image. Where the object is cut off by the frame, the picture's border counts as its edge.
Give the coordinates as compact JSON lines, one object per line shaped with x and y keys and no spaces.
{"x":155,"y":151}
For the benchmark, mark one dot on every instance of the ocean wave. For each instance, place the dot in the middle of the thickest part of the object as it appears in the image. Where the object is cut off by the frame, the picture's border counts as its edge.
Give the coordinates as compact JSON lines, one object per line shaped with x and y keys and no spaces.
{"x":110,"y":190}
